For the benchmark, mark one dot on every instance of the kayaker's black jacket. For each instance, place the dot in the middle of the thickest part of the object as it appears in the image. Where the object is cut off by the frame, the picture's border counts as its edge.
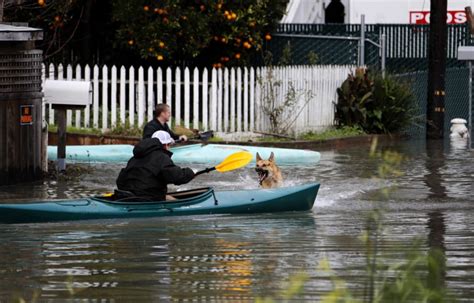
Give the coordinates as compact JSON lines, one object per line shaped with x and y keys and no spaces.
{"x":150,"y":170}
{"x":155,"y":125}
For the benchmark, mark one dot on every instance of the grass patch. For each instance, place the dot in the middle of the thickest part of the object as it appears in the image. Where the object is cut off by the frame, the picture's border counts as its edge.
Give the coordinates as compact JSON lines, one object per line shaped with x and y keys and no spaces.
{"x":76,"y":130}
{"x":273,"y":139}
{"x":215,"y":139}
{"x":342,"y":132}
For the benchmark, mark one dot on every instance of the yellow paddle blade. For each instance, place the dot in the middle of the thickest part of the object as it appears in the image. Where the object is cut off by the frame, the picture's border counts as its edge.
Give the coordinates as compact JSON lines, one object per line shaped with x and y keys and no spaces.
{"x":234,"y":161}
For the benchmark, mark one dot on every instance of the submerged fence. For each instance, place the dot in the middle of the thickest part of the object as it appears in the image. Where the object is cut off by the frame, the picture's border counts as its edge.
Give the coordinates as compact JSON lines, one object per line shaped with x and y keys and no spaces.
{"x":267,"y":99}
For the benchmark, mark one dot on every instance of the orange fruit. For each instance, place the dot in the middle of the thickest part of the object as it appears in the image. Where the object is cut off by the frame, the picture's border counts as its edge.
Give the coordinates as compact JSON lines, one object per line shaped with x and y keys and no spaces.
{"x":237,"y":56}
{"x":159,"y":58}
{"x":268,"y":37}
{"x":146,"y":8}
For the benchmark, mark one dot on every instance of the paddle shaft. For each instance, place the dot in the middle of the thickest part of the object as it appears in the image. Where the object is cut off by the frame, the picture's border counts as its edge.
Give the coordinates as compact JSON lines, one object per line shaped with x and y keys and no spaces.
{"x":201,"y":136}
{"x":204,"y":171}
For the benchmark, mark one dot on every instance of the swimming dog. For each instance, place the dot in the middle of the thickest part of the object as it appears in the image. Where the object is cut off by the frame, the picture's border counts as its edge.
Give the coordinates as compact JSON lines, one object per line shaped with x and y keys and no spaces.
{"x":269,"y":175}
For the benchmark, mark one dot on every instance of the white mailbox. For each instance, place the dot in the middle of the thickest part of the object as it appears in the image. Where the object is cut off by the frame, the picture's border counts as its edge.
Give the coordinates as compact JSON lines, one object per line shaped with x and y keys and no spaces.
{"x":67,"y":93}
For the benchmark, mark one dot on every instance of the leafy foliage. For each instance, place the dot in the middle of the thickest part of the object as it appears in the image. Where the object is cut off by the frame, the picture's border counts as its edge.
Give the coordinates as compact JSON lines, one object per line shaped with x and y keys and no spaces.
{"x":375,"y":103}
{"x":73,"y":29}
{"x":222,"y":32}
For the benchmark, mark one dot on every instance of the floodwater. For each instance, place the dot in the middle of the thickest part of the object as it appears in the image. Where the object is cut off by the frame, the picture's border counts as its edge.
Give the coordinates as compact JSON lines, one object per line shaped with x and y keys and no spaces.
{"x":243,"y":257}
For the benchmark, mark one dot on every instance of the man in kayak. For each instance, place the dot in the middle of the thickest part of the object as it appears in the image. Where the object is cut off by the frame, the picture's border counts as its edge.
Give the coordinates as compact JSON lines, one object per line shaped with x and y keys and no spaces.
{"x":151,"y":169}
{"x":160,"y":122}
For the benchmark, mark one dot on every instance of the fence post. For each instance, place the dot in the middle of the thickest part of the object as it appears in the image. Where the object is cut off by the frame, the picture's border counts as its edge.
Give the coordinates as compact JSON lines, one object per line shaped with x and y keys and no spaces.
{"x":258,"y":96}
{"x":362,"y":41}
{"x":196,"y":98}
{"x":50,"y":108}
{"x":169,"y":89}
{"x":382,"y":54}
{"x":78,"y":112}
{"x":252,"y":99}
{"x":239,"y":99}
{"x":205,"y":94}
{"x":187,"y":97}
{"x":123,"y":107}
{"x":219,"y":100}
{"x":149,"y":97}
{"x":87,"y":111}
{"x":69,"y":78}
{"x":113,"y":96}
{"x":226,"y":99}
{"x":141,"y":96}
{"x":177,"y":99}
{"x":131,"y":96}
{"x":213,"y":107}
{"x":246,"y":99}
{"x":232,"y":100}
{"x":105,"y":97}
{"x":95,"y":105}
{"x":159,"y":87}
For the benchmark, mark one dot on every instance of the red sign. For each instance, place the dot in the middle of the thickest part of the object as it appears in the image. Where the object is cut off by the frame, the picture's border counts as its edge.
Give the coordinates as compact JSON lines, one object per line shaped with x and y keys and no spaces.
{"x":423,"y":17}
{"x":26,"y":114}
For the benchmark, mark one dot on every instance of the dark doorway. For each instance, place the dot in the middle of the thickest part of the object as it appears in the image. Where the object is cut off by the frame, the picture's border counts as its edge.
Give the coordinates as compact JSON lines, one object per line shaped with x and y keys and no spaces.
{"x":334,"y":12}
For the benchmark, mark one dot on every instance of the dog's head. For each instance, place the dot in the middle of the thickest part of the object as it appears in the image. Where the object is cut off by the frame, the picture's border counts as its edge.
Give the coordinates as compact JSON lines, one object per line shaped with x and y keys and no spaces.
{"x":265,"y":168}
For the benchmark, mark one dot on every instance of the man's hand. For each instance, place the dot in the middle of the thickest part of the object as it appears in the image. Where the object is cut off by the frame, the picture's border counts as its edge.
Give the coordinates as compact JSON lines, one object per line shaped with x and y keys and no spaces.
{"x":183,"y":138}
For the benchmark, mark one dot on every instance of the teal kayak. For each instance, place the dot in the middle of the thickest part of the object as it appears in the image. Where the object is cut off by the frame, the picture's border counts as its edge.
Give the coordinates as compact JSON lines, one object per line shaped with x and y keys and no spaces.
{"x":192,"y":202}
{"x":195,"y":153}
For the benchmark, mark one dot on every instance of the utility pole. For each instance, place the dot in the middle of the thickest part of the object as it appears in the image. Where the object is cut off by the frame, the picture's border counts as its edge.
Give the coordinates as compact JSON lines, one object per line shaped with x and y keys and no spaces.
{"x":436,"y":70}
{"x":1,"y":10}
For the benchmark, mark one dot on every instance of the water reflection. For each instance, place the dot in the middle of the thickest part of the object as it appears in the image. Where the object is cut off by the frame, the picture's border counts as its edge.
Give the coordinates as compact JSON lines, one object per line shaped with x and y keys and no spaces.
{"x":434,"y":163}
{"x":237,"y":258}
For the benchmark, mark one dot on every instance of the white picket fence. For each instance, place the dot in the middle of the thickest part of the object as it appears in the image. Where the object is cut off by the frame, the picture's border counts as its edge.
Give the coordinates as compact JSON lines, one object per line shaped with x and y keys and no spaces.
{"x":224,"y":100}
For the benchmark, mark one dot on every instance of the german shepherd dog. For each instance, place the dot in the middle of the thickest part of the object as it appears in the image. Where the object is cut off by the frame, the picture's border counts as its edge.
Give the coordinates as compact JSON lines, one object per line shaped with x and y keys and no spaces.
{"x":269,"y":175}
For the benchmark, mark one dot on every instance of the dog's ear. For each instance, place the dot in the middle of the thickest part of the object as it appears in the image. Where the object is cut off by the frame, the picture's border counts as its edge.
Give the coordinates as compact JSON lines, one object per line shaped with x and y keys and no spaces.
{"x":272,"y":157}
{"x":258,"y":157}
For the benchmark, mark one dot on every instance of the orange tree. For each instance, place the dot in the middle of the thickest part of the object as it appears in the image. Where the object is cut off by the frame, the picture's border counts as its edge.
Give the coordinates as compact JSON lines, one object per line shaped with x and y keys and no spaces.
{"x":222,"y":32}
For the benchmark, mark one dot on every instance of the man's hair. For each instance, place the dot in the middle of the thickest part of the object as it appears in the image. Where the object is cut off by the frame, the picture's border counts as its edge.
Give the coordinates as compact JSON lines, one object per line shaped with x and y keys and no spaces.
{"x":160,"y":108}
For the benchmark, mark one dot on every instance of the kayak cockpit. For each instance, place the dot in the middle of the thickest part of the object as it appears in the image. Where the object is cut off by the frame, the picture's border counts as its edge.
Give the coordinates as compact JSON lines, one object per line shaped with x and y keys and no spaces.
{"x":182,"y":198}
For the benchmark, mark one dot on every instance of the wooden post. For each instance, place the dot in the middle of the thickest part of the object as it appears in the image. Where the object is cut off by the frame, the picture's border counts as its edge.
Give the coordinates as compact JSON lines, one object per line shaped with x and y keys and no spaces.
{"x":436,"y":70}
{"x":61,"y":116}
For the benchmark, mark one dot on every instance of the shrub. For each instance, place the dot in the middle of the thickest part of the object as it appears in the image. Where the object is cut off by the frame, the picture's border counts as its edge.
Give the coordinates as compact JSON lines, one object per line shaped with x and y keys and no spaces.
{"x":375,"y":103}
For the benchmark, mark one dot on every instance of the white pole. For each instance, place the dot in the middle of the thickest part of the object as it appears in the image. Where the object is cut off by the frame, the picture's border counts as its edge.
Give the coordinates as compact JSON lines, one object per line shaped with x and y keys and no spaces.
{"x":362,"y":40}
